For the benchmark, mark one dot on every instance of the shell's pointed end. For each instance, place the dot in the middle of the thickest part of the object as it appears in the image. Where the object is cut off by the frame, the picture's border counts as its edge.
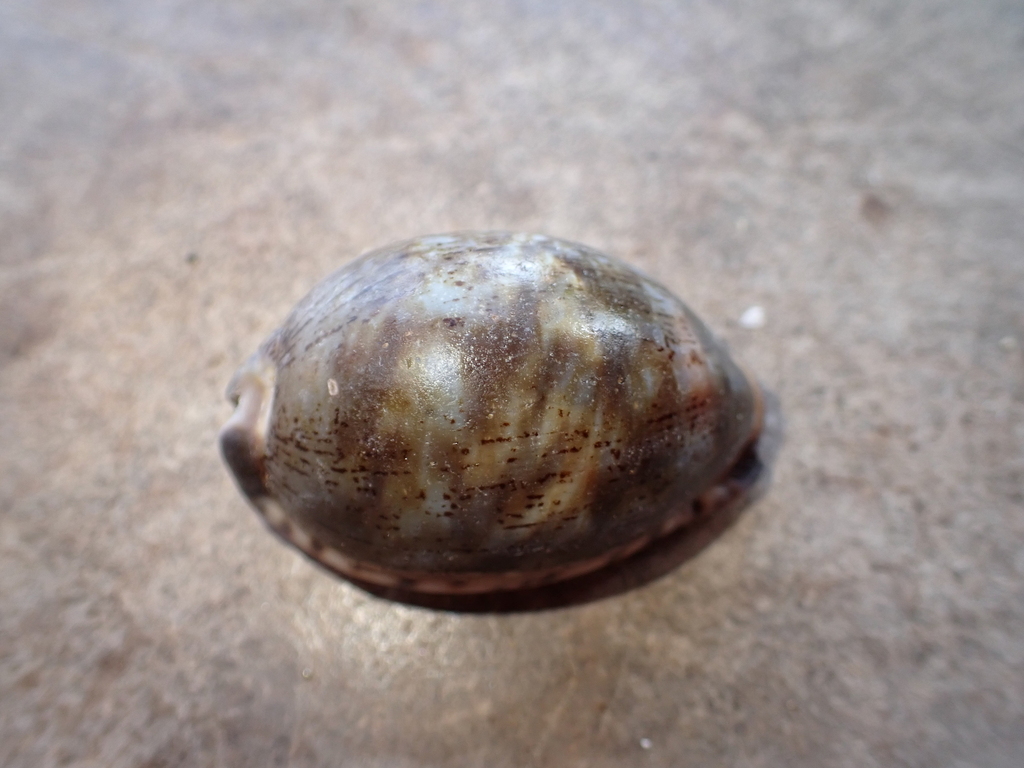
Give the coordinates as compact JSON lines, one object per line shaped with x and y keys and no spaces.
{"x":243,"y":437}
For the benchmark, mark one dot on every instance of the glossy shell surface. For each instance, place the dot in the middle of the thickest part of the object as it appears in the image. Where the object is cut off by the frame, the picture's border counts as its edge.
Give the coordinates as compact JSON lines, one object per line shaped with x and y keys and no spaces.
{"x":481,"y":411}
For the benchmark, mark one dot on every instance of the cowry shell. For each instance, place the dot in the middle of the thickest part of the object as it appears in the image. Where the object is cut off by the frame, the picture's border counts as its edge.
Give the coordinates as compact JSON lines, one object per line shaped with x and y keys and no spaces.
{"x":483,"y":411}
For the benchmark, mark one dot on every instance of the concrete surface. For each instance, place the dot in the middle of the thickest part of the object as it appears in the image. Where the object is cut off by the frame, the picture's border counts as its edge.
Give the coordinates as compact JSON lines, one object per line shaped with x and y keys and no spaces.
{"x":174,"y":175}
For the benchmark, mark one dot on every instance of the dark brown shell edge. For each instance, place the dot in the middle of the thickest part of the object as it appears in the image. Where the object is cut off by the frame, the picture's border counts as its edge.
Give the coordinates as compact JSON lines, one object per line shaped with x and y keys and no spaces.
{"x":242,"y":442}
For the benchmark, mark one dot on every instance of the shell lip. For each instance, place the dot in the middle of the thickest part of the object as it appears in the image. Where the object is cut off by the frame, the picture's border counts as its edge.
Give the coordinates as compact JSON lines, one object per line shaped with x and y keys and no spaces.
{"x":243,"y":438}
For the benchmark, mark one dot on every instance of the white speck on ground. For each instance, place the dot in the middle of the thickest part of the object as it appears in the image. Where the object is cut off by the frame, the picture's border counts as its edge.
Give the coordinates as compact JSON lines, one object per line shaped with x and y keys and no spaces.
{"x":753,"y":317}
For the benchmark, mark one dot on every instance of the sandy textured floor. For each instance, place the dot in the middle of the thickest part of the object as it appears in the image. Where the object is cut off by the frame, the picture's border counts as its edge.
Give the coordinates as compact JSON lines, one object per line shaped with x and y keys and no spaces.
{"x":172,"y":179}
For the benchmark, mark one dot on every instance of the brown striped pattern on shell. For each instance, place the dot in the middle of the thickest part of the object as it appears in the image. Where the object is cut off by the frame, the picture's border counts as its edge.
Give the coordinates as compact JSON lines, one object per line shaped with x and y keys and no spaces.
{"x":479,"y":411}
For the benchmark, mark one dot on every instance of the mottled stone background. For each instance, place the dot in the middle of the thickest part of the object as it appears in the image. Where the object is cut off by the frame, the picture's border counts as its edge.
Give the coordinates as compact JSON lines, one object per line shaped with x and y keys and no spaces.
{"x":174,"y":175}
